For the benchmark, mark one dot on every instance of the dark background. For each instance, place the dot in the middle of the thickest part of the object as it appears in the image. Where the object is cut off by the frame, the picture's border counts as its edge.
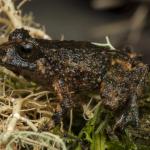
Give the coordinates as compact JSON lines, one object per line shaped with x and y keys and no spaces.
{"x":79,"y":20}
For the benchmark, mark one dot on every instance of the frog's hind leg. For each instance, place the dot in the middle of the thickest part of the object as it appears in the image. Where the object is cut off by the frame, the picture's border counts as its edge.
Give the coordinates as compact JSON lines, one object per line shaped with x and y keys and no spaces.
{"x":129,"y":117}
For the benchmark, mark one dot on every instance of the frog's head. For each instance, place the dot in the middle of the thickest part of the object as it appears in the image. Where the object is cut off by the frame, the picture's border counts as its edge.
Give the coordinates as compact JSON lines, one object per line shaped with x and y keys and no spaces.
{"x":21,"y":54}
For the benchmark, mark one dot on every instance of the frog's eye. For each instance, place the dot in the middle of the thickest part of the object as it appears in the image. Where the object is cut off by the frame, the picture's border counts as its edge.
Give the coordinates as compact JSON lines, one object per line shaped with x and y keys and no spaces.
{"x":28,"y":51}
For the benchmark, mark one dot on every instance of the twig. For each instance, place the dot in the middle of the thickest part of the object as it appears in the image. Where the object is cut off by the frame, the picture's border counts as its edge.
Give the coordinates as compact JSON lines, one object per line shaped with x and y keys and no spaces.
{"x":29,"y":123}
{"x":107,"y":44}
{"x":17,"y":104}
{"x":71,"y":120}
{"x":87,"y":112}
{"x":14,"y":15}
{"x":22,"y":3}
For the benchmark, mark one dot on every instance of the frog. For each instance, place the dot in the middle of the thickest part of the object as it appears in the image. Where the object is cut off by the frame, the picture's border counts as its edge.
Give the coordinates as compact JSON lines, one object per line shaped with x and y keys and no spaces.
{"x":69,"y":67}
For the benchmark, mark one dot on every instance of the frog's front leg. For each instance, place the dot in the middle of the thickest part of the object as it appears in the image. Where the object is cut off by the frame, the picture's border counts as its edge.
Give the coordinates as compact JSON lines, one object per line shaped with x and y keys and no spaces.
{"x":65,"y":99}
{"x":130,"y":116}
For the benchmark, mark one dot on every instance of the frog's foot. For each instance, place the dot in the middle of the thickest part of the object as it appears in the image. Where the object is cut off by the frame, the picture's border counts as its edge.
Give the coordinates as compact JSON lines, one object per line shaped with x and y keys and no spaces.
{"x":129,"y":117}
{"x":65,"y":106}
{"x":57,"y":117}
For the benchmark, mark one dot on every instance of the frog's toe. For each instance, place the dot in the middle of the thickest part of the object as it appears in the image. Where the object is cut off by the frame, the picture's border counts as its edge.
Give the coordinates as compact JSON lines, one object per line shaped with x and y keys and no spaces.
{"x":129,"y":117}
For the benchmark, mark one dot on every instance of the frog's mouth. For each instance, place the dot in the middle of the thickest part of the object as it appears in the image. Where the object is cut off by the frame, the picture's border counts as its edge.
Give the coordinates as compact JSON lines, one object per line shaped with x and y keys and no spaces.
{"x":16,"y":70}
{"x":29,"y":74}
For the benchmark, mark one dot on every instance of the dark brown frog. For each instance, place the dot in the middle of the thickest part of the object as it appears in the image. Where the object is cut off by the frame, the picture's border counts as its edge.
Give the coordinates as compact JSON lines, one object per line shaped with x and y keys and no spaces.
{"x":70,"y":67}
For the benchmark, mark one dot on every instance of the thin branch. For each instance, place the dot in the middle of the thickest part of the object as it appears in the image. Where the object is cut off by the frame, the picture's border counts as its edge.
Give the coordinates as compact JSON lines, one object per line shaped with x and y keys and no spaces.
{"x":17,"y":104}
{"x":107,"y":44}
{"x":14,"y":15}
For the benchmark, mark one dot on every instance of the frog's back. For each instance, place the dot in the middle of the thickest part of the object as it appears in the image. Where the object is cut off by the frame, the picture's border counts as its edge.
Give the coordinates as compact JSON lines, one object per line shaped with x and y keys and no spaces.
{"x":81,"y":63}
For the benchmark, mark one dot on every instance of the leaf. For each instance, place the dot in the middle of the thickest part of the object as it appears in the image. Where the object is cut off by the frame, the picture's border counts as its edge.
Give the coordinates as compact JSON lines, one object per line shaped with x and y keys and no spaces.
{"x":98,"y":142}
